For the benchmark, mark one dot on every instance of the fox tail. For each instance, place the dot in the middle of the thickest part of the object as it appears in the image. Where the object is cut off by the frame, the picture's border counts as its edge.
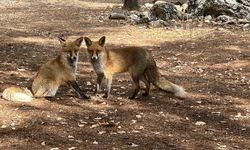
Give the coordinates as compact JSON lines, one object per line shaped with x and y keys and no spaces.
{"x":17,"y":94}
{"x":154,"y":76}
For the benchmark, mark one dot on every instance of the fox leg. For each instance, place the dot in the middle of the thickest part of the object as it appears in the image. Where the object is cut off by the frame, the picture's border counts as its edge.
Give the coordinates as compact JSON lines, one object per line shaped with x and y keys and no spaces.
{"x":39,"y":92}
{"x":137,"y":87}
{"x":147,"y":83}
{"x":78,"y":89}
{"x":99,"y":82}
{"x":108,"y":86}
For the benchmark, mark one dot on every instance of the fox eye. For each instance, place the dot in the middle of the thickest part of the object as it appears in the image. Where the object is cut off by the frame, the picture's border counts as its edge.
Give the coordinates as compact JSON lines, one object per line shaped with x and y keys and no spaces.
{"x":90,"y":51}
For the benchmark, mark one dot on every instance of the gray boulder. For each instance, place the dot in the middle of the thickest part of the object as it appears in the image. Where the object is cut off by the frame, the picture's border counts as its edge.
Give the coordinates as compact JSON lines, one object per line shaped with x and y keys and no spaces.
{"x":215,"y":8}
{"x":164,"y":11}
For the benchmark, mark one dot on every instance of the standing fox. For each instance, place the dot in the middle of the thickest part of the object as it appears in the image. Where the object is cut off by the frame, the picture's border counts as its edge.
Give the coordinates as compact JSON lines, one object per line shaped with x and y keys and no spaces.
{"x":51,"y":75}
{"x":137,"y":61}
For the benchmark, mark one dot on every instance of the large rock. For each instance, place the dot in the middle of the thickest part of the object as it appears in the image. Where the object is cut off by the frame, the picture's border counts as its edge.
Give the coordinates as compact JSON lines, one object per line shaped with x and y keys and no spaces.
{"x":140,"y":17}
{"x":164,"y":11}
{"x":215,"y":8}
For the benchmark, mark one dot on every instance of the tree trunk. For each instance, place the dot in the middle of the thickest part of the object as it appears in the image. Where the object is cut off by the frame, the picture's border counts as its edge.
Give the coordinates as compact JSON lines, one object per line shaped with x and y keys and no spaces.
{"x":130,"y":4}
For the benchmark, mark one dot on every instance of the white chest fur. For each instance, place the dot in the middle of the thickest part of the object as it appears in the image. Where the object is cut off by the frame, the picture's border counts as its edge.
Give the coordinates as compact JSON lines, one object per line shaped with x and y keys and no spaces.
{"x":97,"y":65}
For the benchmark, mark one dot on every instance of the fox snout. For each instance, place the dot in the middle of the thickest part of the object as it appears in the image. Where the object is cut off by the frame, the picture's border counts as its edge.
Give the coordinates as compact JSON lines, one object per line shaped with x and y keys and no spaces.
{"x":94,"y":57}
{"x":73,"y":57}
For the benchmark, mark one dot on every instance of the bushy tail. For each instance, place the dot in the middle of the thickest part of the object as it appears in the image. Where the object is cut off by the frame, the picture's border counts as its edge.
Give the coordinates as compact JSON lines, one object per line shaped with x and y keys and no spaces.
{"x":17,"y":94}
{"x":154,"y":76}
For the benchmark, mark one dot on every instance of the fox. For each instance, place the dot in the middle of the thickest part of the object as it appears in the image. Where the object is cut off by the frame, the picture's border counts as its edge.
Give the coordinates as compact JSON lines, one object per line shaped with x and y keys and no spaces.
{"x":51,"y":75}
{"x":137,"y":61}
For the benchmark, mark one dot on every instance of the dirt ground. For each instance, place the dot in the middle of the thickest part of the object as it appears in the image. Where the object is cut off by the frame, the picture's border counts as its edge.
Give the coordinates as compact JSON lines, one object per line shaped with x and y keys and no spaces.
{"x":213,"y":64}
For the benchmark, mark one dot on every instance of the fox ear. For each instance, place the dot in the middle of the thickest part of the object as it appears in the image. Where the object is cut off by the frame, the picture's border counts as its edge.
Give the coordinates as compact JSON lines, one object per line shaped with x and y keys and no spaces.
{"x":101,"y":41}
{"x":62,"y":41}
{"x":88,"y":42}
{"x":78,"y":41}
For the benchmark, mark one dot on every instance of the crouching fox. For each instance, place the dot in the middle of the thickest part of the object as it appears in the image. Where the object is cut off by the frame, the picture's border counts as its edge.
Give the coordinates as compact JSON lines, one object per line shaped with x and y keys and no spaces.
{"x":135,"y":60}
{"x":51,"y":75}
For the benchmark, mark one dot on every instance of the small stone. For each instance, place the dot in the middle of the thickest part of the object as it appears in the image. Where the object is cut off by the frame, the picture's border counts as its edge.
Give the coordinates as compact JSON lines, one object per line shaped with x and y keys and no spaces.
{"x":3,"y":126}
{"x":133,"y":121}
{"x":246,"y":25}
{"x":81,"y":125}
{"x":98,"y":118}
{"x":43,"y":143}
{"x":71,"y":148}
{"x":133,"y":145}
{"x":94,"y":126}
{"x":121,"y":132}
{"x":135,"y":131}
{"x":200,"y":123}
{"x":88,"y":83}
{"x":102,"y":132}
{"x":198,"y":102}
{"x":138,"y":116}
{"x":122,"y":87}
{"x":70,"y":137}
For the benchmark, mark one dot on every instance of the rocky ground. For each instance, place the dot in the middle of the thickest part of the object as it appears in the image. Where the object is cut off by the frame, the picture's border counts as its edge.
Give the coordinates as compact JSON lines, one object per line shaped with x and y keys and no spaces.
{"x":212,"y":63}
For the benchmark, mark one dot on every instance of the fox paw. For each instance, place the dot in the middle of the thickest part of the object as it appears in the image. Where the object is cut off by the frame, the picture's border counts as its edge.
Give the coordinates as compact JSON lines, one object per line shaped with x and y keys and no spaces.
{"x":86,"y":97}
{"x":131,"y":97}
{"x":105,"y":96}
{"x":145,"y":94}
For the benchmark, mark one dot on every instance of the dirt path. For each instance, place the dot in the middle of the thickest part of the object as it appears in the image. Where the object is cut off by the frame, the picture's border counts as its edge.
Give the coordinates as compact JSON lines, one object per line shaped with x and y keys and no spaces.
{"x":212,"y":64}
